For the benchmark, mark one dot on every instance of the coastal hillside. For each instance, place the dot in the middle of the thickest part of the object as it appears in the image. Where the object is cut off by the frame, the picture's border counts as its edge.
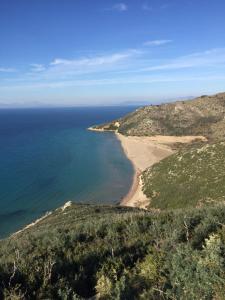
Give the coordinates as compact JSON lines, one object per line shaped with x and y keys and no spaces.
{"x":106,"y":252}
{"x":201,"y":116}
{"x":174,"y":249}
{"x":189,"y":178}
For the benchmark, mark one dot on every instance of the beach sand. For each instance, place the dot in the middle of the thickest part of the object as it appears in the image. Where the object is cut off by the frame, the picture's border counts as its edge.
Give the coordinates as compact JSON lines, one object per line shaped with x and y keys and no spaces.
{"x":144,"y":152}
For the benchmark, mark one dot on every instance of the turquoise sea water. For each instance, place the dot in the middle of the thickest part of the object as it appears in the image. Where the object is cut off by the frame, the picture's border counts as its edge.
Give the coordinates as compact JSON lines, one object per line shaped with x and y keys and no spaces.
{"x":47,"y":157}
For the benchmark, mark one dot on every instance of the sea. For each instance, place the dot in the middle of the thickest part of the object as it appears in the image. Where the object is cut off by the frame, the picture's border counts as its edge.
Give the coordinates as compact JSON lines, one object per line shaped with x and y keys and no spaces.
{"x":48,"y":157}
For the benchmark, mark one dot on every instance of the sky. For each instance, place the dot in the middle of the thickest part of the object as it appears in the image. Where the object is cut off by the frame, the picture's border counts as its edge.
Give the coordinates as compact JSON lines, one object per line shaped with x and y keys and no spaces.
{"x":105,"y":52}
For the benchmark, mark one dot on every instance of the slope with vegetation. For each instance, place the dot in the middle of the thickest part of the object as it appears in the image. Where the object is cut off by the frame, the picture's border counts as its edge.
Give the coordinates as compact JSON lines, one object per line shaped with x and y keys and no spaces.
{"x":117,"y":253}
{"x":174,"y":250}
{"x":201,"y":116}
{"x":189,"y":178}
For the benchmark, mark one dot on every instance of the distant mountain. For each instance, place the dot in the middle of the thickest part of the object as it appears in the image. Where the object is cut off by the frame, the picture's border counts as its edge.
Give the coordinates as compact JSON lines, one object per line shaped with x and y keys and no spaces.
{"x":204,"y":115}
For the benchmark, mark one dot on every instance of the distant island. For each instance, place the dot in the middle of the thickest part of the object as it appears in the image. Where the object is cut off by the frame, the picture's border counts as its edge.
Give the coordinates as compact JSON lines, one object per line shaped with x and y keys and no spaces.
{"x":166,"y":239}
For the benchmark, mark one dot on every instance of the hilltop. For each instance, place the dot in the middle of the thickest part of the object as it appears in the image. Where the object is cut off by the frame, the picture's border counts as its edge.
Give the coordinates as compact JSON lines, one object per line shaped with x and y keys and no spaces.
{"x":204,"y":115}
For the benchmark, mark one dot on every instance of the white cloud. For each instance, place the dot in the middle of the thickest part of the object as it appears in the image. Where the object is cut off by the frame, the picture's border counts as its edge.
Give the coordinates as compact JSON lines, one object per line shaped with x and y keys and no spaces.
{"x":66,"y":69}
{"x":121,"y":68}
{"x":113,"y":81}
{"x":157,"y":42}
{"x":63,"y":68}
{"x":37,"y":67}
{"x":132,"y":61}
{"x":121,"y":7}
{"x":93,"y":61}
{"x":209,"y":58}
{"x":7,"y":70}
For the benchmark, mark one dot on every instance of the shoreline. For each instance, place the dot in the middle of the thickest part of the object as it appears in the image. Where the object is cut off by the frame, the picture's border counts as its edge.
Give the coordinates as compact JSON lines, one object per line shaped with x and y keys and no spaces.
{"x":144,"y":152}
{"x":35,"y":222}
{"x":100,"y":129}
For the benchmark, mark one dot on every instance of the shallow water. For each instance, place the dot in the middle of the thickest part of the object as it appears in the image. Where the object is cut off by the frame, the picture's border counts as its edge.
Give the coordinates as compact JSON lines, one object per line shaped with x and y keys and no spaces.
{"x":47,"y":157}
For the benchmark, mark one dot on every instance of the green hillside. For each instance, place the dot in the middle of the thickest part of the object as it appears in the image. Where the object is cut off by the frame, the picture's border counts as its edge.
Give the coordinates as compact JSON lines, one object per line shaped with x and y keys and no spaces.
{"x":190,"y":178}
{"x":202,"y":116}
{"x":117,"y":253}
{"x":175,"y":250}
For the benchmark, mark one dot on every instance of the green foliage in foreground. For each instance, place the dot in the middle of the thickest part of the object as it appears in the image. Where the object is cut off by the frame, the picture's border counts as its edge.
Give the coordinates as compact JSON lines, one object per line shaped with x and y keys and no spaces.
{"x":117,"y":253}
{"x":189,"y":178}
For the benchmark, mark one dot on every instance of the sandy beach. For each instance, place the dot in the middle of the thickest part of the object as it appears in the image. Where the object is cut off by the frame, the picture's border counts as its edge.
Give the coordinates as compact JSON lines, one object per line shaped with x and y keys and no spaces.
{"x":144,"y":152}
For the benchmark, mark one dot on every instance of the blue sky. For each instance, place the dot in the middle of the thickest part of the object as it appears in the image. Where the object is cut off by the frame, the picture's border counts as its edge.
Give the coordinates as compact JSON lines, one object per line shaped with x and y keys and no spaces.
{"x":90,"y":52}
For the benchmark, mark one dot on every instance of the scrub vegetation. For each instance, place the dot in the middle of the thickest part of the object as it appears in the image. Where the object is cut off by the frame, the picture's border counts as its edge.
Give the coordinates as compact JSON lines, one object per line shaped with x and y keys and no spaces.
{"x":117,"y":253}
{"x":189,"y":178}
{"x":201,"y":116}
{"x":173,"y":250}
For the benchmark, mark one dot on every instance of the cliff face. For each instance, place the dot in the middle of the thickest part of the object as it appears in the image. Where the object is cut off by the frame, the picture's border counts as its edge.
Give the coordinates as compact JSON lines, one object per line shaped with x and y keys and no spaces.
{"x":201,"y":116}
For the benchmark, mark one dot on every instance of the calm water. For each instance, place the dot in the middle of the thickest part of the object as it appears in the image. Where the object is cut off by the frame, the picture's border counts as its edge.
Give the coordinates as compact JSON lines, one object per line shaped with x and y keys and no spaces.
{"x":47,"y":157}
